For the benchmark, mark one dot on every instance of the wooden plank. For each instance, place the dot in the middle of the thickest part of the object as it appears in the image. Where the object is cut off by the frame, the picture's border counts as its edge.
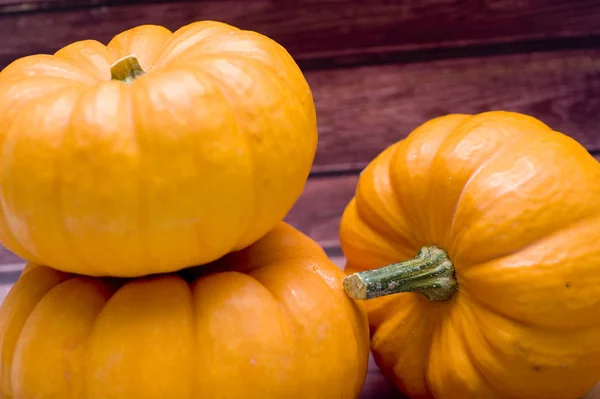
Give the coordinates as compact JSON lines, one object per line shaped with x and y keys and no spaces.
{"x":363,"y":110}
{"x":16,"y":6}
{"x":318,"y":211}
{"x":312,"y":30}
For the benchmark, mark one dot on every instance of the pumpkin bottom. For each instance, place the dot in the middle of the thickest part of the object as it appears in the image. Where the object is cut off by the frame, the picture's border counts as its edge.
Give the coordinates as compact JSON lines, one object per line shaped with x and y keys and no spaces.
{"x":459,"y":349}
{"x":284,"y":329}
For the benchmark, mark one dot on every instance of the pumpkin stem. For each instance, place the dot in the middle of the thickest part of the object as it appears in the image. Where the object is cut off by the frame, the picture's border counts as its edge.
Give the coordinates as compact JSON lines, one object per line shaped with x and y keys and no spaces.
{"x":430,"y":273}
{"x":126,"y":69}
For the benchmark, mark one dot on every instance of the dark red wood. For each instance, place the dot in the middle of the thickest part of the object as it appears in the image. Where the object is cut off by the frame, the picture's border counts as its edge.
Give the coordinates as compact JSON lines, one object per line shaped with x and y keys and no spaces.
{"x":376,"y":386}
{"x":363,"y":110}
{"x":43,"y":5}
{"x":319,"y":209}
{"x":345,"y":30}
{"x":26,"y":6}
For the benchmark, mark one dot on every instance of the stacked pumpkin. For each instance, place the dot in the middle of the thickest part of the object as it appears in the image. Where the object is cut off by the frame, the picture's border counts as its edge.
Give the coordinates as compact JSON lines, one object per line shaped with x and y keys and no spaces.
{"x":125,"y":165}
{"x":146,"y":182}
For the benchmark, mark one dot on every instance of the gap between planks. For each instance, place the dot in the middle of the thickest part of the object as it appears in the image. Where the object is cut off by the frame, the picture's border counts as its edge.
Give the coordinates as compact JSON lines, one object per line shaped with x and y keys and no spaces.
{"x":312,"y":32}
{"x":361,"y":111}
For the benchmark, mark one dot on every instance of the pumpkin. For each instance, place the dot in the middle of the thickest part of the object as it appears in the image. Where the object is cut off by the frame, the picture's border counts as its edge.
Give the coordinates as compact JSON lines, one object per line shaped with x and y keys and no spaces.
{"x":156,"y":152}
{"x":270,"y":321}
{"x":475,"y":243}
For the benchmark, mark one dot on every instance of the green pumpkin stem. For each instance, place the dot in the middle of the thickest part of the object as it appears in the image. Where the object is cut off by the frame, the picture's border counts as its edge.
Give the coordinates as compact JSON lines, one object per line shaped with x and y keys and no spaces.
{"x":126,"y":69}
{"x":430,"y":273}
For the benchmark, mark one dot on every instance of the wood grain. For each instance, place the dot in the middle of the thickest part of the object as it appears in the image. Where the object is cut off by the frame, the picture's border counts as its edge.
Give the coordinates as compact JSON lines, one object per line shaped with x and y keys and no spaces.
{"x":45,"y":5}
{"x":319,"y":209}
{"x":315,"y":32}
{"x":28,"y":6}
{"x":363,"y":110}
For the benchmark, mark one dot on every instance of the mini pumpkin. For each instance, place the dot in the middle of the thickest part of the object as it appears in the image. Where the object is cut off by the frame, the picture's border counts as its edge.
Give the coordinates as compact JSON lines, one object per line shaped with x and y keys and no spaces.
{"x":155,"y":152}
{"x":270,"y":321}
{"x":489,"y":225}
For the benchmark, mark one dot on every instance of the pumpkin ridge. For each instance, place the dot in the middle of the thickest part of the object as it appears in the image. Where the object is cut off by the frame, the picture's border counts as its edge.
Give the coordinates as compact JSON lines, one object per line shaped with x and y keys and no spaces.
{"x":38,"y":288}
{"x":410,"y":167}
{"x":361,"y":203}
{"x":472,"y":355}
{"x":166,"y":58}
{"x":507,"y":314}
{"x":439,"y":153}
{"x":548,"y":233}
{"x":252,"y":198}
{"x":291,"y":320}
{"x":217,"y":80}
{"x":274,"y":60}
{"x":487,"y":307}
{"x":124,"y":44}
{"x":25,"y":251}
{"x":263,"y":63}
{"x":68,"y":237}
{"x":142,"y":209}
{"x":72,"y":284}
{"x":257,"y":63}
{"x":221,"y":88}
{"x":427,"y":365}
{"x":28,"y":67}
{"x":86,"y":53}
{"x":497,"y":154}
{"x":282,"y":78}
{"x":524,"y":330}
{"x":396,"y":195}
{"x":127,"y":298}
{"x":435,"y":328}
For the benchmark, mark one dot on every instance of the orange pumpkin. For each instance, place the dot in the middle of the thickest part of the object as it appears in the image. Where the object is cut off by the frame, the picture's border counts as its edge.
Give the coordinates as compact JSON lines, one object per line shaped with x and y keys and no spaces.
{"x":270,"y":321}
{"x":503,"y":297}
{"x":156,"y":152}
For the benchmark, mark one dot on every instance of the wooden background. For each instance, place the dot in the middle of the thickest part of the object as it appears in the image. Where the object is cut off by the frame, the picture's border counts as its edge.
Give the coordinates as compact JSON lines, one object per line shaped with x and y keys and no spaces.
{"x":377,"y":70}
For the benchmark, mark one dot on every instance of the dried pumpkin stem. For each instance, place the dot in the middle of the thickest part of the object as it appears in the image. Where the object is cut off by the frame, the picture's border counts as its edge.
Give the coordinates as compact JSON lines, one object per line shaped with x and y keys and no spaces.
{"x":430,"y":273}
{"x":126,"y":69}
